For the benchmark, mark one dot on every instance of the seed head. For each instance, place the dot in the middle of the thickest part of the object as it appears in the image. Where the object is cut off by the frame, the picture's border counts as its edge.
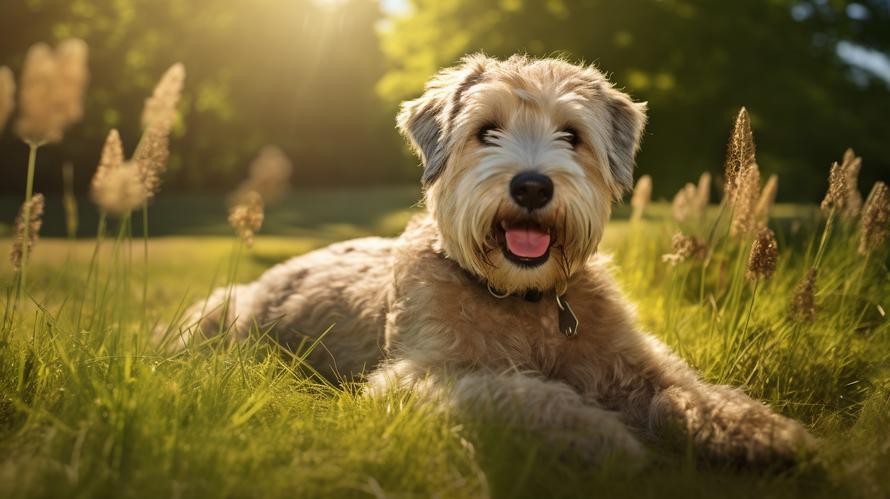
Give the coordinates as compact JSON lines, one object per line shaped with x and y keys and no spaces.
{"x":641,"y":197}
{"x":685,"y":247}
{"x":269,"y":176}
{"x":111,"y":159}
{"x":246,"y":217}
{"x":744,"y":202}
{"x":7,"y":95}
{"x":158,"y":116}
{"x":740,"y":153}
{"x":875,"y":221}
{"x":120,"y":191}
{"x":34,"y":217}
{"x":803,"y":301}
{"x":73,"y":76}
{"x":160,"y":108}
{"x":853,"y":202}
{"x":683,"y":207}
{"x":51,"y":93}
{"x":767,"y":199}
{"x":69,"y":201}
{"x":763,"y":256}
{"x":151,"y":157}
{"x":703,"y":192}
{"x":836,"y":197}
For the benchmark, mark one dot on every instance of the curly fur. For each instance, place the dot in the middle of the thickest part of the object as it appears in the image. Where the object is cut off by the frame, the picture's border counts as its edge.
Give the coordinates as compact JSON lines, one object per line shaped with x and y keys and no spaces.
{"x":415,"y":313}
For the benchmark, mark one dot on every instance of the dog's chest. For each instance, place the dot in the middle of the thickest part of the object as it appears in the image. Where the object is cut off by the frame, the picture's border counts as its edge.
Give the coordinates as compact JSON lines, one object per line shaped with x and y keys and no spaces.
{"x":512,"y":332}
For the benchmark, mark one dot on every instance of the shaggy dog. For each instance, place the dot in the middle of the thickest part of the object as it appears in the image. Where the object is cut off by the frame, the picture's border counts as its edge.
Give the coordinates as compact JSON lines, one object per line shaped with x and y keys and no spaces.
{"x":495,"y":298}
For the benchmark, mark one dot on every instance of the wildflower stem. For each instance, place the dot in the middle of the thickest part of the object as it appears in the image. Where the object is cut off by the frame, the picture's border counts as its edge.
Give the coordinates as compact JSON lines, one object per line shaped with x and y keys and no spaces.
{"x":93,"y":270}
{"x":826,"y":234}
{"x":145,"y":263}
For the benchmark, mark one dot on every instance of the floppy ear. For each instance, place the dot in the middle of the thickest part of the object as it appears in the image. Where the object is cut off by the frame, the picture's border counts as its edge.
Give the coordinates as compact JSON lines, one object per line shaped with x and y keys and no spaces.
{"x":419,"y":122}
{"x":427,"y":121}
{"x":627,"y":119}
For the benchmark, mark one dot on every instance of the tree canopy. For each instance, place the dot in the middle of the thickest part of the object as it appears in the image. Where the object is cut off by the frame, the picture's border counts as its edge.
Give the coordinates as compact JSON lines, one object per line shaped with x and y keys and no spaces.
{"x":323,"y":78}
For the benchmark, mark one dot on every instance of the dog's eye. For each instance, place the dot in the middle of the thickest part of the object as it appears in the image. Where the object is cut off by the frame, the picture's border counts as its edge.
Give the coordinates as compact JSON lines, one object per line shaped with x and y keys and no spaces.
{"x":570,"y":135}
{"x":484,"y":134}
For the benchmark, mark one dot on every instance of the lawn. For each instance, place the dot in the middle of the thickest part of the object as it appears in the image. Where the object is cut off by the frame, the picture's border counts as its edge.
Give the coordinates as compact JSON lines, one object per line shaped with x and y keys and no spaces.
{"x":90,"y":408}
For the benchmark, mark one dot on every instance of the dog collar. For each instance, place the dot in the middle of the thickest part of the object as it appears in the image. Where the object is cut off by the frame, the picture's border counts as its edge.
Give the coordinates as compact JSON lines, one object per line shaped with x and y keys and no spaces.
{"x":568,"y":321}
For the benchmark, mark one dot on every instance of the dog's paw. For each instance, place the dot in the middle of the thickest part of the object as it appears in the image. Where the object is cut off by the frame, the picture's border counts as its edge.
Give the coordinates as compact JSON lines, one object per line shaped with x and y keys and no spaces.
{"x":610,"y":443}
{"x":779,"y":442}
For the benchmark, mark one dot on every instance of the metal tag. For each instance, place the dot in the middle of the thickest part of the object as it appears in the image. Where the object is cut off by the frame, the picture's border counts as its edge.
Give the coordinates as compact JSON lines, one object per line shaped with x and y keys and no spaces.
{"x":568,"y":321}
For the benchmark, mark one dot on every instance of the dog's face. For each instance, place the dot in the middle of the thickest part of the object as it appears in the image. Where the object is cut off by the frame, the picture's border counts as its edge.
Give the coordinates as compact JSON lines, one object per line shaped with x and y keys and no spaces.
{"x":522,"y":160}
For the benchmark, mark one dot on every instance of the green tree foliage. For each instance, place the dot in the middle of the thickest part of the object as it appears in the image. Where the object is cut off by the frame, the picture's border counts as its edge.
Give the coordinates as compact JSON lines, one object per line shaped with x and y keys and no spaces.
{"x":696,"y":62}
{"x":297,"y":73}
{"x":323,"y":78}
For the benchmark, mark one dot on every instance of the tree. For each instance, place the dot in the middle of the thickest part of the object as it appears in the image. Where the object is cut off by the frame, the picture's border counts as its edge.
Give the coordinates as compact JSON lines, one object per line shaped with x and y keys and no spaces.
{"x":696,"y":62}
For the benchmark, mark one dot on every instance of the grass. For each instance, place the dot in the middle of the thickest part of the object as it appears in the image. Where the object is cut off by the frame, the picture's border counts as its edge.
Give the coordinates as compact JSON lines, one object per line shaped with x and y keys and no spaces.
{"x":89,"y":408}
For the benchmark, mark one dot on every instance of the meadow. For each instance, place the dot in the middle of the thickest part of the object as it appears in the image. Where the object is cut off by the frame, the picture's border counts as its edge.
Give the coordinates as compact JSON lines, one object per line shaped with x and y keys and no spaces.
{"x":91,"y":408}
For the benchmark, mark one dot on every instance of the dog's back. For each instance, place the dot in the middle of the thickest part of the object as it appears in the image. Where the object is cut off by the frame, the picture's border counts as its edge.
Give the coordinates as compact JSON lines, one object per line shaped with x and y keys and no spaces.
{"x":341,"y":289}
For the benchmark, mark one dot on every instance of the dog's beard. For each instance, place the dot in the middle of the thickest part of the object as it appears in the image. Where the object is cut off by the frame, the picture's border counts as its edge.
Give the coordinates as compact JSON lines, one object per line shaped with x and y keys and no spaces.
{"x":475,"y":214}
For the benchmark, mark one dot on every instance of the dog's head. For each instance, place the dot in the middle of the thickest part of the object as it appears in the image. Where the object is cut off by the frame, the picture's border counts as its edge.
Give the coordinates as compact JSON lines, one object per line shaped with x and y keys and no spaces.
{"x":522,"y":159}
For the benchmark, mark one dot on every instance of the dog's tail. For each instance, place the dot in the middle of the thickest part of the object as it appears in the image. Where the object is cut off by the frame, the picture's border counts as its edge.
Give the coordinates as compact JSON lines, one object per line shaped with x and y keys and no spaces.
{"x":226,"y":314}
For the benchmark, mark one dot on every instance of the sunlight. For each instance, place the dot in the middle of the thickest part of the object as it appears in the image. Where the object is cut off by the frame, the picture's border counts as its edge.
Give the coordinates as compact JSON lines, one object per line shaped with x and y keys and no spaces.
{"x":331,"y":4}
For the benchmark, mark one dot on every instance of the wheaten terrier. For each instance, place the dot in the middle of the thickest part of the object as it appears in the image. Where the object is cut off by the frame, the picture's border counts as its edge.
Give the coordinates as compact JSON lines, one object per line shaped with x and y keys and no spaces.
{"x":495,"y":298}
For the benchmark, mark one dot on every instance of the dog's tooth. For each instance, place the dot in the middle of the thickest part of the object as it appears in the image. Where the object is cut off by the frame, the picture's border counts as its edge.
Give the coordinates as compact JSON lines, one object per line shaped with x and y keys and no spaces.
{"x":504,"y":224}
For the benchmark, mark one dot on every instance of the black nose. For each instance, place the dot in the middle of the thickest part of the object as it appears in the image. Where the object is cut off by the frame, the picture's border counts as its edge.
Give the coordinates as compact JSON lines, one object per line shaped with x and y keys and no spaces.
{"x":531,"y":190}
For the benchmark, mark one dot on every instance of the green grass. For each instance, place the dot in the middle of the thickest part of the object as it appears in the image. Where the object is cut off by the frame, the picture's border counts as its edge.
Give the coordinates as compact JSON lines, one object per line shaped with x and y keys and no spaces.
{"x":88,"y":408}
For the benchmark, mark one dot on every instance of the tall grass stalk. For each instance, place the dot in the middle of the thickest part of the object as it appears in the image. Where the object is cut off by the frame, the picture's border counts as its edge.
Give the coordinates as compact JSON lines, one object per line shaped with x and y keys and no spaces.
{"x":26,"y":216}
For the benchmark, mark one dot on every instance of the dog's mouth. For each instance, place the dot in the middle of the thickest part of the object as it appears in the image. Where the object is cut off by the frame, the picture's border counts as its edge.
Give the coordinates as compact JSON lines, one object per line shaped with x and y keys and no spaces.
{"x":524,"y":242}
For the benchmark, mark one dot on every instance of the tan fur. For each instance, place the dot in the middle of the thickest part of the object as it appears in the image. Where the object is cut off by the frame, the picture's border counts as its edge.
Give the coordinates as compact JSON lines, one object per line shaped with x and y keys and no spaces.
{"x":416,"y":313}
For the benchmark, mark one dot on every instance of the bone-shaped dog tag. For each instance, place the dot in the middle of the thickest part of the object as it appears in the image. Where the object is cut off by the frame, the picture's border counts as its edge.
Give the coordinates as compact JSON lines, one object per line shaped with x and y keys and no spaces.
{"x":568,"y":321}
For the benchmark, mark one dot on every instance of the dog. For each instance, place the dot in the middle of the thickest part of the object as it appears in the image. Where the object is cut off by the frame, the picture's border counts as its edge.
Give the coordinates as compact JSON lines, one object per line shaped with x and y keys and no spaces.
{"x":495,"y":299}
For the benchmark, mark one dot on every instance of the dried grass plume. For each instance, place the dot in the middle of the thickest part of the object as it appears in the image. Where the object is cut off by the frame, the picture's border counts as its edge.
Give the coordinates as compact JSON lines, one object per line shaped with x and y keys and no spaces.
{"x":246,"y":217}
{"x":740,"y":153}
{"x":158,"y":117}
{"x":121,"y":190}
{"x":764,"y":256}
{"x":35,"y":219}
{"x":744,"y":202}
{"x":269,"y":176}
{"x":683,"y":206}
{"x":72,"y":77}
{"x":160,"y":108}
{"x":112,"y":158}
{"x":641,"y":197}
{"x":51,"y":91}
{"x":853,"y":203}
{"x":7,"y":95}
{"x":767,"y":199}
{"x":691,"y":201}
{"x":703,"y":191}
{"x":836,"y":197}
{"x":803,"y":301}
{"x":69,"y":200}
{"x":875,"y":222}
{"x":151,"y":158}
{"x":684,"y":248}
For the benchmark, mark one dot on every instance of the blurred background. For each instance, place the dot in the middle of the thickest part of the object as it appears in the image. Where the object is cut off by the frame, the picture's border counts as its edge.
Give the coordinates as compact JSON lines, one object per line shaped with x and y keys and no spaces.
{"x":322,"y":79}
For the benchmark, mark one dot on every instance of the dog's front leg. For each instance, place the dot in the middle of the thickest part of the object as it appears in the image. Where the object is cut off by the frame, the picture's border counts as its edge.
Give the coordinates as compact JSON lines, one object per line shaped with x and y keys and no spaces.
{"x":551,"y":408}
{"x":723,"y":423}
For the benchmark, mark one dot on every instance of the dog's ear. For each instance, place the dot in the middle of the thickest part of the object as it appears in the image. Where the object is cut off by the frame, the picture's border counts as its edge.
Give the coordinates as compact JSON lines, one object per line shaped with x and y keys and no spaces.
{"x":427,"y":121}
{"x":420,"y":123}
{"x":627,"y":119}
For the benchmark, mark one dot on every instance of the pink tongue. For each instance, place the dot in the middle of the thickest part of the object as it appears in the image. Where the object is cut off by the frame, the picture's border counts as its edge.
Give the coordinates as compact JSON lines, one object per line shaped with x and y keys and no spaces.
{"x":527,"y":243}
